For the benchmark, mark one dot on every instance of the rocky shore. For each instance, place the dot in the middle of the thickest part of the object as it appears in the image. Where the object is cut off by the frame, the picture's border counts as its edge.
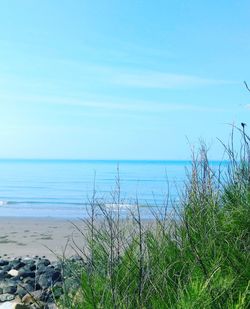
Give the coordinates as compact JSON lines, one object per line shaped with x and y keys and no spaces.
{"x":30,"y":283}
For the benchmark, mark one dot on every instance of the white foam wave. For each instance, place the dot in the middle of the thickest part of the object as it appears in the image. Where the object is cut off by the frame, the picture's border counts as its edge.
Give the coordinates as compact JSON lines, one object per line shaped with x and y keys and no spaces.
{"x":3,"y":203}
{"x":115,"y":206}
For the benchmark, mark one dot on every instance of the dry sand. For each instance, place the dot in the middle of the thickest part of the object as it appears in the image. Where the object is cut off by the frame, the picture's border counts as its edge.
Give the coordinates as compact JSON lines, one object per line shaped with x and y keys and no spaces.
{"x":38,"y":236}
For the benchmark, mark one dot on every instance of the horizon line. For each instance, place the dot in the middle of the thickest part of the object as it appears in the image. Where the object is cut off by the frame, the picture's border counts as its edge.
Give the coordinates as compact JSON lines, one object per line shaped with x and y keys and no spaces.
{"x":105,"y":160}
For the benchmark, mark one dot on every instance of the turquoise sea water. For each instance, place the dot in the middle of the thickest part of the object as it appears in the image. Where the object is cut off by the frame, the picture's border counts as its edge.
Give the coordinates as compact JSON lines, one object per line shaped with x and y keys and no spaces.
{"x":62,"y":188}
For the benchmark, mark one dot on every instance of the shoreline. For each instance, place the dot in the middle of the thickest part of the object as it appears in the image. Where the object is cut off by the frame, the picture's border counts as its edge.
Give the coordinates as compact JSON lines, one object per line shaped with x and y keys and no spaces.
{"x":48,"y":237}
{"x":32,"y":236}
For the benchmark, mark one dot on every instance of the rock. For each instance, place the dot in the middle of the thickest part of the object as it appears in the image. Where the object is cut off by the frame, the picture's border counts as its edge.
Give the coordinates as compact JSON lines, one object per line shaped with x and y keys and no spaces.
{"x":48,"y":278}
{"x":3,"y":262}
{"x":11,"y":289}
{"x":44,"y":281}
{"x":41,"y":269}
{"x":5,"y":283}
{"x":47,"y":296}
{"x":2,"y":274}
{"x":21,"y":306}
{"x":56,"y":263}
{"x":32,"y":297}
{"x":6,"y":297}
{"x":51,"y":306}
{"x":30,"y":267}
{"x":35,"y":282}
{"x":28,"y":259}
{"x":35,"y":306}
{"x":56,"y":276}
{"x":24,"y":289}
{"x":13,"y":281}
{"x":13,"y":272}
{"x":29,"y":280}
{"x":30,"y":264}
{"x":6,"y":267}
{"x":16,"y":264}
{"x":24,"y":274}
{"x":44,"y":262}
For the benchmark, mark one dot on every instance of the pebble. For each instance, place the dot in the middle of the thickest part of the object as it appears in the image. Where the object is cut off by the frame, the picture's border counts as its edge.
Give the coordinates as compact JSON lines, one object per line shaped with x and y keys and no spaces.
{"x":13,"y":272}
{"x":30,"y":280}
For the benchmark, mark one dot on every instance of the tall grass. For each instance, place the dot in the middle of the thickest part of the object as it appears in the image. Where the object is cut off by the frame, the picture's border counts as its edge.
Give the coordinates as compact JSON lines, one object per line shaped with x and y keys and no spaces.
{"x":196,"y":258}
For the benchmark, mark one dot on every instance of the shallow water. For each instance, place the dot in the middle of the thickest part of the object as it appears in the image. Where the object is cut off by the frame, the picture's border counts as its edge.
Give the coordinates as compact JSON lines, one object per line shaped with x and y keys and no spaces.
{"x":63,"y":188}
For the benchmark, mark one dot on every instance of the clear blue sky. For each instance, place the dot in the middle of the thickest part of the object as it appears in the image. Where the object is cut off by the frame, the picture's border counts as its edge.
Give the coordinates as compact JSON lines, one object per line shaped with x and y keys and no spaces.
{"x":121,"y":79}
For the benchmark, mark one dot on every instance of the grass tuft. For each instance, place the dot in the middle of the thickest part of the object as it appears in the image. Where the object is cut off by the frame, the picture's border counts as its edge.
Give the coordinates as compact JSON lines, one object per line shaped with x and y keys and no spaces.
{"x":198,"y":258}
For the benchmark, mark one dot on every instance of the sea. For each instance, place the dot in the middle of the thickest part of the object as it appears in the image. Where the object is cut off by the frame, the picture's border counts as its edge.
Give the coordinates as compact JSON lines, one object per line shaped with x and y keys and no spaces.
{"x":66,"y":188}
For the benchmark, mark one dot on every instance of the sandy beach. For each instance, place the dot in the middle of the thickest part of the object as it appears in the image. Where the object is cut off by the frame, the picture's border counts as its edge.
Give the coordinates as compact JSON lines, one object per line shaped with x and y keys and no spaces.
{"x":38,"y":236}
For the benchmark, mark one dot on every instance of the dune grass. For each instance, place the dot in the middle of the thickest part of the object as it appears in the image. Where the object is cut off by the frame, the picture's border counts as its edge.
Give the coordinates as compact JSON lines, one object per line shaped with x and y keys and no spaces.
{"x":198,"y":257}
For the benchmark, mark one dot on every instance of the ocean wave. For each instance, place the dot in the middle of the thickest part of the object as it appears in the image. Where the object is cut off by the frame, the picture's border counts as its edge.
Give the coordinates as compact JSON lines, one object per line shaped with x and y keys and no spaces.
{"x":3,"y":203}
{"x":115,"y":206}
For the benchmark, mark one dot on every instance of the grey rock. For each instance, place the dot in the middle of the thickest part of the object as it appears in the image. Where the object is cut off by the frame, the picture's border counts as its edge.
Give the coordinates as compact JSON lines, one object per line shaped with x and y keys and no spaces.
{"x":13,"y":280}
{"x":8,"y":286}
{"x":29,"y":280}
{"x":44,"y":281}
{"x":41,"y":269}
{"x":6,"y":297}
{"x":44,"y":262}
{"x":24,"y":289}
{"x":18,"y":265}
{"x":30,"y":267}
{"x":48,"y":278}
{"x":36,"y":276}
{"x":22,"y":306}
{"x":32,"y":297}
{"x":47,"y":296}
{"x":6,"y":267}
{"x":3,"y":262}
{"x":56,"y":276}
{"x":25,"y":274}
{"x":2,"y":274}
{"x":4,"y":284}
{"x":11,"y":289}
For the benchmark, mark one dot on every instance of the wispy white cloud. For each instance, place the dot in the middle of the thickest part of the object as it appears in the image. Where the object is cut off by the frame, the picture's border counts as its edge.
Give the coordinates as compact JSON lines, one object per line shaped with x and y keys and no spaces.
{"x":107,"y":104}
{"x":143,"y":78}
{"x":79,"y":73}
{"x":154,"y":79}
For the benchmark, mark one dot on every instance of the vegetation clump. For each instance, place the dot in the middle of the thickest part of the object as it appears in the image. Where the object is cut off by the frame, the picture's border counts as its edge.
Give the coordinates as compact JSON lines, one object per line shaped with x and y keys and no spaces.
{"x":196,"y":256}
